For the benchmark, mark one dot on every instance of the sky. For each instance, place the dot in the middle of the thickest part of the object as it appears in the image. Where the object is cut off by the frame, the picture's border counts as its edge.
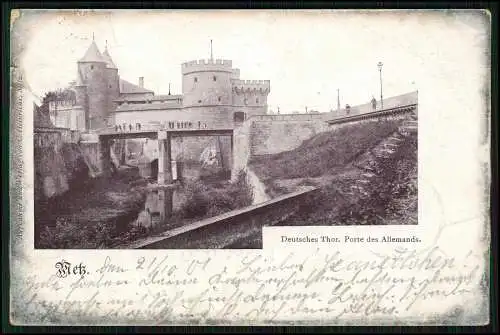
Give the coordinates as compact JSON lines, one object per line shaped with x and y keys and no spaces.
{"x":307,"y":55}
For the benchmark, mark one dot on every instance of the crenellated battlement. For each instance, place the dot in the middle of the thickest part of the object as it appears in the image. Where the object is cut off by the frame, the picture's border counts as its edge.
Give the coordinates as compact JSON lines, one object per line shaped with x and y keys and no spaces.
{"x":207,"y":65}
{"x":251,"y":85}
{"x":227,"y":63}
{"x":240,"y":82}
{"x":236,"y":74}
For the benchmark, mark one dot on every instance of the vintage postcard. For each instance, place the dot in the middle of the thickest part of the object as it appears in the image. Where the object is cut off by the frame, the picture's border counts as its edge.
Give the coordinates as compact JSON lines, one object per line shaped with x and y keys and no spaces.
{"x":216,"y":167}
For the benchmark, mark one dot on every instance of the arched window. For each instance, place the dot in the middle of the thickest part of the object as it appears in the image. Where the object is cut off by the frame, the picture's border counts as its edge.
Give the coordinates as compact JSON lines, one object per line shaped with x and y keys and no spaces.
{"x":195,"y":79}
{"x":257,"y":100}
{"x":219,"y":99}
{"x":239,"y":117}
{"x":215,"y":78}
{"x":91,"y":67}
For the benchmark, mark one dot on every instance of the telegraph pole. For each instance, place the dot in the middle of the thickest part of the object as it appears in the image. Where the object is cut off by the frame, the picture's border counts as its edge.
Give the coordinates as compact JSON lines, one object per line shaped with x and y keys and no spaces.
{"x":380,"y":64}
{"x":338,"y":101}
{"x":211,"y":51}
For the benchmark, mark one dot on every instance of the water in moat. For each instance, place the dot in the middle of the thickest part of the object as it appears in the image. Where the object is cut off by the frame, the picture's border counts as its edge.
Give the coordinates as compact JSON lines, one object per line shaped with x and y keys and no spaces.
{"x":111,"y":210}
{"x":164,"y":206}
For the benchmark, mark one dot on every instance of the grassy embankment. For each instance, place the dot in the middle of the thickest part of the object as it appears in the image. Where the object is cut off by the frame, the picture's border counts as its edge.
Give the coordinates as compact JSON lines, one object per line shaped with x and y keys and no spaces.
{"x":326,"y":161}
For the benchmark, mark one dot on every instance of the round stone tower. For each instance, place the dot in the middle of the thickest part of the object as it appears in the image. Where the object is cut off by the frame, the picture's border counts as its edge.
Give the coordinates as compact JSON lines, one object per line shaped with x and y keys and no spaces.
{"x":82,"y":97}
{"x":113,"y":84}
{"x":92,"y":71}
{"x":207,"y":83}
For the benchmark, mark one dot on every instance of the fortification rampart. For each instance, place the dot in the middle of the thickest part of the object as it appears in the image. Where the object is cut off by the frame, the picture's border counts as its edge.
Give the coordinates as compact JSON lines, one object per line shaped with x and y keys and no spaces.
{"x":202,"y":65}
{"x":389,"y":102}
{"x":60,"y":163}
{"x":270,"y":136}
{"x":54,"y":137}
{"x":396,"y":113}
{"x":287,"y":117}
{"x":251,"y":85}
{"x":235,"y":74}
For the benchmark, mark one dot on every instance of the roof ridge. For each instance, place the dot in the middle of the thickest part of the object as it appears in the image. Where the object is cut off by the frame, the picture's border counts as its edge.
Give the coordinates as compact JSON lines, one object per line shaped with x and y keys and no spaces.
{"x":128,"y":87}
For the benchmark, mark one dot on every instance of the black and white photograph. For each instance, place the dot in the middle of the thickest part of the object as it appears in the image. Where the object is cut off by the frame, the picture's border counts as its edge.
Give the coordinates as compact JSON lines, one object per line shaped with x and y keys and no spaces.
{"x":202,"y":143}
{"x":249,"y":167}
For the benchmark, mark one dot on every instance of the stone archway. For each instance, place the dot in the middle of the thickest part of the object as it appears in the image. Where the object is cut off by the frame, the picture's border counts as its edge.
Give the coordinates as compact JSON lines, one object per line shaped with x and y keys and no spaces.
{"x":154,"y":168}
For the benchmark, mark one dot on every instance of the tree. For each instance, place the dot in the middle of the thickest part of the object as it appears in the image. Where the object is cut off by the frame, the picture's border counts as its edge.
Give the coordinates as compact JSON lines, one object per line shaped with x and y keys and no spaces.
{"x":66,"y":94}
{"x":42,"y":118}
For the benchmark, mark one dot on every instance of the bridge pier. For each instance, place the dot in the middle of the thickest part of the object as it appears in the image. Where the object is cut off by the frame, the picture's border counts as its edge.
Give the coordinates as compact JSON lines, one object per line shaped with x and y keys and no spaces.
{"x":164,"y":159}
{"x":105,"y":163}
{"x":165,"y":173}
{"x":165,"y":199}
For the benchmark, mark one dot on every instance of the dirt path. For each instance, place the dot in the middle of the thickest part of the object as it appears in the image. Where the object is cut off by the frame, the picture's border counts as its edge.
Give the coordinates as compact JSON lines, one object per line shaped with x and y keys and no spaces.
{"x":293,"y":184}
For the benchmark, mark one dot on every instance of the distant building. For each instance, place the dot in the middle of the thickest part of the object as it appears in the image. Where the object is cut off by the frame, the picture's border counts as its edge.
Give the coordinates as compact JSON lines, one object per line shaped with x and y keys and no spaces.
{"x":212,"y":93}
{"x":67,"y":114}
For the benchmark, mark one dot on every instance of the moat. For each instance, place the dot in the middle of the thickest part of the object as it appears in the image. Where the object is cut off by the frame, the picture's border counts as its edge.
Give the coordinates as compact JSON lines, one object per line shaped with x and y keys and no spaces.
{"x":113,"y":211}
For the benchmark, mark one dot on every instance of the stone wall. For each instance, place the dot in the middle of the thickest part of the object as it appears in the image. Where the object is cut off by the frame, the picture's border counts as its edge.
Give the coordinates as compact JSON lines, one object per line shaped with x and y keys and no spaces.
{"x":188,"y":150}
{"x":90,"y":152}
{"x":270,"y":137}
{"x":191,"y":148}
{"x":241,"y":148}
{"x":270,"y":134}
{"x":228,"y":229}
{"x":58,"y":165}
{"x":55,"y":137}
{"x":390,"y":102}
{"x":401,"y":114}
{"x":61,"y":162}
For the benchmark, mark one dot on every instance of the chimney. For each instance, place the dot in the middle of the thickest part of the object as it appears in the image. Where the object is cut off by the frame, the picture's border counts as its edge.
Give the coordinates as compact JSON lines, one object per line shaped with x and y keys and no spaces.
{"x":141,"y":82}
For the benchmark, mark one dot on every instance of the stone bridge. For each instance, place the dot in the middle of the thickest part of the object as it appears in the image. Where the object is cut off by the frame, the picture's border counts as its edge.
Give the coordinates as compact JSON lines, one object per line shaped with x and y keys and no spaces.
{"x":156,"y":132}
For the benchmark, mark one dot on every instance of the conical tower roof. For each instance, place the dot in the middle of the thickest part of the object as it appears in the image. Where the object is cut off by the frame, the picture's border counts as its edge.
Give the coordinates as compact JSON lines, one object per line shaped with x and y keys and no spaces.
{"x":93,"y":54}
{"x":108,"y":60}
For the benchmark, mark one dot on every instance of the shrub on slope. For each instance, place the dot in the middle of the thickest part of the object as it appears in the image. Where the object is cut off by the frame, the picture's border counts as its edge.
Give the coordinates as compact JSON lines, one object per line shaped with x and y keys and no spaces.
{"x":393,"y":196}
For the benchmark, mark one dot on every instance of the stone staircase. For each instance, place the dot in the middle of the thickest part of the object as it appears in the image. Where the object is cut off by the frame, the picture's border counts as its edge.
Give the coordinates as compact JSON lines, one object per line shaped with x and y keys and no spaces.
{"x":370,"y":163}
{"x":409,"y":126}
